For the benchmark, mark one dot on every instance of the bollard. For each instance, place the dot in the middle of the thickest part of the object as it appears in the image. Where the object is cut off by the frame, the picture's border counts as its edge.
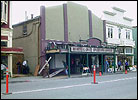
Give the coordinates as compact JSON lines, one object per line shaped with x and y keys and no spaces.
{"x":125,"y":71}
{"x":94,"y":76}
{"x":100,"y":74}
{"x":7,"y":87}
{"x":6,"y":80}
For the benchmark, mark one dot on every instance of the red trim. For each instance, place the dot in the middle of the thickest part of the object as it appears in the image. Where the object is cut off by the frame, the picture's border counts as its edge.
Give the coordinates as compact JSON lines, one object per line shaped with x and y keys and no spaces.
{"x":12,"y":49}
{"x":4,"y":37}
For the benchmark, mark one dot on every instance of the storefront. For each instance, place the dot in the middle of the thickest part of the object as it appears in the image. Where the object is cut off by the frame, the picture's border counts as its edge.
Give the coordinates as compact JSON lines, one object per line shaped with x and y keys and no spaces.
{"x":78,"y":57}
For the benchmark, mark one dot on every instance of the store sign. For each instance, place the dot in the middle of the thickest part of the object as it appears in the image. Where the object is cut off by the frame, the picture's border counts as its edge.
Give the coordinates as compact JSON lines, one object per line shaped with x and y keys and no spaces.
{"x":91,"y":49}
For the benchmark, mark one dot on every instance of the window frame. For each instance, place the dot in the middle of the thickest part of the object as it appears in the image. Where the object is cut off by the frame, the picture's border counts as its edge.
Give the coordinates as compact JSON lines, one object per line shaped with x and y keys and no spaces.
{"x":119,"y":33}
{"x":110,"y":31}
{"x":127,"y":34}
{"x":4,"y":12}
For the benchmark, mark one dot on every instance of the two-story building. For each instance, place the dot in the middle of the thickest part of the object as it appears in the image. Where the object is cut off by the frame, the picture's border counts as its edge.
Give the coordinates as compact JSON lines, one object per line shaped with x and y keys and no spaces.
{"x":68,"y":32}
{"x":7,"y":50}
{"x":134,"y":31}
{"x":119,"y":33}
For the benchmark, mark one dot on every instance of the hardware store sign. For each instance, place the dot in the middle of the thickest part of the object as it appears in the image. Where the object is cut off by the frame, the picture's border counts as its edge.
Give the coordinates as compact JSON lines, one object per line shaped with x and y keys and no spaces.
{"x":90,"y":49}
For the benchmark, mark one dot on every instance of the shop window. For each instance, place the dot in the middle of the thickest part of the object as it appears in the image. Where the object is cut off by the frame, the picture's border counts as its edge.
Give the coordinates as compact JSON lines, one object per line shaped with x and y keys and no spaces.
{"x":128,"y":50}
{"x":121,"y":50}
{"x":3,"y":43}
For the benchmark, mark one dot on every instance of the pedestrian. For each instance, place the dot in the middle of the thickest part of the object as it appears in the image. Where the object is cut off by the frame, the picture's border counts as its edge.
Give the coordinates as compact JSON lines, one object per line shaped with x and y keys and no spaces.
{"x":47,"y":70}
{"x":25,"y":67}
{"x":126,"y":65}
{"x":107,"y":65}
{"x":66,"y":67}
{"x":119,"y":65}
{"x":19,"y":67}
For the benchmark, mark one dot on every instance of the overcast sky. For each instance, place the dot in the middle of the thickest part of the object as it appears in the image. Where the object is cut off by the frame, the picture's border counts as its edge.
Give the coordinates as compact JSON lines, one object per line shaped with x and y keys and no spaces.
{"x":97,"y":7}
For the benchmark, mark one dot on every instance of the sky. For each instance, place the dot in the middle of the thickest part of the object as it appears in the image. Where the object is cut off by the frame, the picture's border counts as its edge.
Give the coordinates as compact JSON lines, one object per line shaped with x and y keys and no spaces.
{"x":97,"y":7}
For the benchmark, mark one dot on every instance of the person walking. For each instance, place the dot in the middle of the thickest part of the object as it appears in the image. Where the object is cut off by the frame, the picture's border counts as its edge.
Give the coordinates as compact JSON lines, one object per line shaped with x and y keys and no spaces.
{"x":46,"y":70}
{"x":119,"y":65}
{"x":106,"y":65}
{"x":66,"y":67}
{"x":126,"y":65}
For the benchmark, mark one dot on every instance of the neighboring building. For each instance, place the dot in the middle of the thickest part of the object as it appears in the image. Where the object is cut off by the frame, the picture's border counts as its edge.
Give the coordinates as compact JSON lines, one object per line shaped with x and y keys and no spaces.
{"x":68,"y":32}
{"x":6,"y":36}
{"x":119,"y":33}
{"x":134,"y":31}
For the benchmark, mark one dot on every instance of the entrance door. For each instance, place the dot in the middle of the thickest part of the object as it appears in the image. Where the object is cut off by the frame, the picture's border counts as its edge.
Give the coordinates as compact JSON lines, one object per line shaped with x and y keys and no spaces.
{"x":94,"y":60}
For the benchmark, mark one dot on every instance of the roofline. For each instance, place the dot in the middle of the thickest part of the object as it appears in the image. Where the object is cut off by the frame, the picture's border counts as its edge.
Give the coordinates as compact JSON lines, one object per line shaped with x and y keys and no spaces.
{"x":20,"y":23}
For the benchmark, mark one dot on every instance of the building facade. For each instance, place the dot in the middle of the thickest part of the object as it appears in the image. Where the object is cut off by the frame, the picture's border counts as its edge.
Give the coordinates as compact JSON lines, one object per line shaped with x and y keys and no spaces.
{"x":119,"y":33}
{"x":134,"y":31}
{"x":69,"y":33}
{"x":7,"y":50}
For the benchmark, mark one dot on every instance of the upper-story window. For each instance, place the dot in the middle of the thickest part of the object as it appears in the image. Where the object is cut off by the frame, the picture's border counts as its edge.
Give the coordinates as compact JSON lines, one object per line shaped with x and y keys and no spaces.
{"x":110,"y":32}
{"x":119,"y":33}
{"x":3,"y":43}
{"x":25,"y":29}
{"x":4,"y":11}
{"x":127,"y":34}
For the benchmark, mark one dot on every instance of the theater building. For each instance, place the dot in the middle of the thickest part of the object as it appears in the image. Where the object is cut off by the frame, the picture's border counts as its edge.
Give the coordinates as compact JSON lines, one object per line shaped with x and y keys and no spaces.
{"x":69,"y":32}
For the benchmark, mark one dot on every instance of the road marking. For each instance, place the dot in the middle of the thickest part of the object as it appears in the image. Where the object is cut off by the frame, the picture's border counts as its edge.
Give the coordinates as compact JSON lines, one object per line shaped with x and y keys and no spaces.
{"x":38,"y":90}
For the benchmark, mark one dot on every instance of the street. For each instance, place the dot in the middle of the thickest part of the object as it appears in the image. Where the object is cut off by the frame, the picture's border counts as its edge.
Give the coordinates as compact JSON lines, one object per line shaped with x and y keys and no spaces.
{"x":116,"y":86}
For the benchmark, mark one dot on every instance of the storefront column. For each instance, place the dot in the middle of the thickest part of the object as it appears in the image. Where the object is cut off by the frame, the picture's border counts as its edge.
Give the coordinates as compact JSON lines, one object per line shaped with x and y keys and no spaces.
{"x":114,"y":60}
{"x":87,"y":61}
{"x":102,"y":63}
{"x":69,"y":64}
{"x":132,"y":60}
{"x":10,"y":64}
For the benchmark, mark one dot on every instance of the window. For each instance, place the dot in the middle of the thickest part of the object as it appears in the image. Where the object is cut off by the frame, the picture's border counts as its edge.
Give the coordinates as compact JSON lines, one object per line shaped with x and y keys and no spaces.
{"x":24,"y":29}
{"x":4,"y":11}
{"x":127,"y":34}
{"x":128,"y":50}
{"x":3,"y":43}
{"x":1,"y":9}
{"x":120,"y":50}
{"x":110,"y":32}
{"x":119,"y":33}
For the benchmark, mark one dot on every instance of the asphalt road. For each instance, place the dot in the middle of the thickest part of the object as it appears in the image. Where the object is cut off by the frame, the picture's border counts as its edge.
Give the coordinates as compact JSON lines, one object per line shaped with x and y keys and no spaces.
{"x":117,"y":86}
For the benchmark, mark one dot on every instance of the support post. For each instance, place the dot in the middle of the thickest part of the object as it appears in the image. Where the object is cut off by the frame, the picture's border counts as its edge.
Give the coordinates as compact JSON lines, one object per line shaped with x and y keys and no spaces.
{"x":114,"y":60}
{"x":102,"y":62}
{"x":69,"y":65}
{"x":87,"y":61}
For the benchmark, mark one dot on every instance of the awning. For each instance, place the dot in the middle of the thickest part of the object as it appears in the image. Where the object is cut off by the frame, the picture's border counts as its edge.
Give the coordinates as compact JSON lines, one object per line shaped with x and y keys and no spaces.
{"x":10,"y":50}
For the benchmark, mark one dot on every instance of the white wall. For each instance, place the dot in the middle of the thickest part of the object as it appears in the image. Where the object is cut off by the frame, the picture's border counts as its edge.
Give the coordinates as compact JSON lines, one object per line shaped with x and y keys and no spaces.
{"x":56,"y":61}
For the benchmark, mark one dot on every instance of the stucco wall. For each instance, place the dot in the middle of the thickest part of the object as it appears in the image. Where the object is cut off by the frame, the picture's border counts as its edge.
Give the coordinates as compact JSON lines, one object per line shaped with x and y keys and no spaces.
{"x":54,"y":23}
{"x":97,"y":27}
{"x":78,"y":23}
{"x":29,"y":43}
